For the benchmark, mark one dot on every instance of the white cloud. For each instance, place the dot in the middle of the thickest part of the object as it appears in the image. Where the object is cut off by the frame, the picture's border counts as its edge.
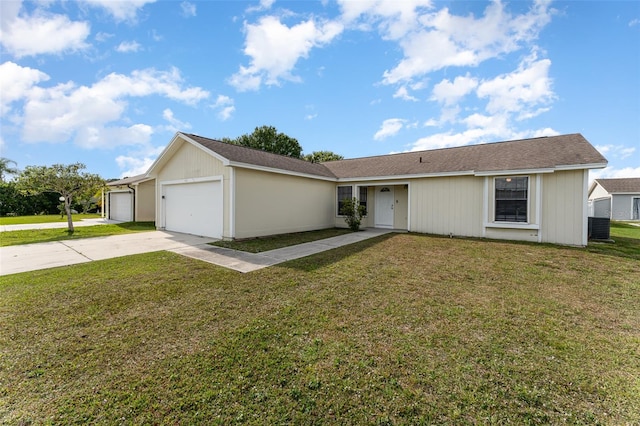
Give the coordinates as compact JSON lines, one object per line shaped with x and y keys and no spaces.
{"x":521,"y":90}
{"x":225,"y":107}
{"x":188,"y":9}
{"x":403,"y":93}
{"x":137,"y":163}
{"x":92,"y":115}
{"x":634,"y":22}
{"x":174,"y":125}
{"x":616,"y":151}
{"x":275,"y":49}
{"x":612,"y":172}
{"x":129,"y":47}
{"x":394,"y":19}
{"x":16,"y":83}
{"x":389,"y":127}
{"x":40,"y":33}
{"x":449,"y":93}
{"x":120,"y":10}
{"x":101,"y":136}
{"x":102,"y":36}
{"x":264,"y":5}
{"x":445,"y":40}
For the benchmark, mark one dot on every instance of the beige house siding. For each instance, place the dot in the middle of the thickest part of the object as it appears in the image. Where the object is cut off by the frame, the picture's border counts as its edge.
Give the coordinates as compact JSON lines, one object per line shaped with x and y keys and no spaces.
{"x":270,"y":203}
{"x":598,"y":192}
{"x":564,"y":207}
{"x":401,"y":210}
{"x":145,"y":201}
{"x":447,"y":205}
{"x":189,"y":162}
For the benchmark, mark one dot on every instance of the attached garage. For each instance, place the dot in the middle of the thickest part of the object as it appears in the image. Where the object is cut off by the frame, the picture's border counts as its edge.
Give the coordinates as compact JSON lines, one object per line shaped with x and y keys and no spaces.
{"x":193,"y":207}
{"x":121,"y":206}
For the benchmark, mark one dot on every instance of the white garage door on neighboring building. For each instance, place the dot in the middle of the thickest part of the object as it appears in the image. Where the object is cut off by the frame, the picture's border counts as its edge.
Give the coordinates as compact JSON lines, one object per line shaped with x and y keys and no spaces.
{"x":121,"y":206}
{"x":193,"y":208}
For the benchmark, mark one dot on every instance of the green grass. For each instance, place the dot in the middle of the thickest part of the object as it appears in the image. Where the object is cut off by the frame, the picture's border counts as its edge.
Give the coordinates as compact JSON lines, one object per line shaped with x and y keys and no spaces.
{"x":400,"y":329}
{"x":30,"y":236}
{"x":257,"y":245}
{"x":20,"y":220}
{"x":626,"y":241}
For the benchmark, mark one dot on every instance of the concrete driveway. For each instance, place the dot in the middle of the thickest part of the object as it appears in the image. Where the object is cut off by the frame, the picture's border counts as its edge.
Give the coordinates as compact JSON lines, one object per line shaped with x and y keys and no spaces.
{"x":32,"y":257}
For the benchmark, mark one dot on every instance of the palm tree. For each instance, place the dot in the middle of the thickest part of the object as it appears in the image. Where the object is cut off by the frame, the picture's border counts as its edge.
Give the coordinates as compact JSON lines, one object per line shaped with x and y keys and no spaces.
{"x":6,"y":169}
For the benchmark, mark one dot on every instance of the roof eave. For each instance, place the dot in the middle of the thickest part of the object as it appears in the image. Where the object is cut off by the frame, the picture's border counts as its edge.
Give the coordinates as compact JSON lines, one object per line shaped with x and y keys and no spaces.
{"x":279,"y":171}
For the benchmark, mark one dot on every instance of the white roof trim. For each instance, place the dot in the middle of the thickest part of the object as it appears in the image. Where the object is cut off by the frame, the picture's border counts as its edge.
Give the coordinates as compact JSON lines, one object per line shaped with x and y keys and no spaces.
{"x":582,"y":166}
{"x":279,"y":171}
{"x":225,"y":161}
{"x":397,"y":177}
{"x":513,"y":172}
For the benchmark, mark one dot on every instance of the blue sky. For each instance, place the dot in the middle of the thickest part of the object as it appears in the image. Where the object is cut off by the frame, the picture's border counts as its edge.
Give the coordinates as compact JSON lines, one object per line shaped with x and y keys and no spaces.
{"x":108,"y":83}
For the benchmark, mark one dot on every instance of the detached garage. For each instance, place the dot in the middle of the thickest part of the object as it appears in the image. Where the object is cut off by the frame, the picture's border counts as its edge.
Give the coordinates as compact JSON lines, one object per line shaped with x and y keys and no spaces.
{"x":193,"y":207}
{"x":131,"y":199}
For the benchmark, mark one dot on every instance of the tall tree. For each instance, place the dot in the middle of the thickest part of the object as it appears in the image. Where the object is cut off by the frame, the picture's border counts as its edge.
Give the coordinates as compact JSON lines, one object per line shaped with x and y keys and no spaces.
{"x":322,"y":156}
{"x":66,"y":180}
{"x":6,"y":169}
{"x":267,"y":138}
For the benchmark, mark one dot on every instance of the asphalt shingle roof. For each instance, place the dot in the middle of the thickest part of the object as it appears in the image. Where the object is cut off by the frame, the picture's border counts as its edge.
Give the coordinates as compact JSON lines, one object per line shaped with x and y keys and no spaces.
{"x":618,"y":185}
{"x":256,"y":157}
{"x":128,"y":180}
{"x":525,"y":154}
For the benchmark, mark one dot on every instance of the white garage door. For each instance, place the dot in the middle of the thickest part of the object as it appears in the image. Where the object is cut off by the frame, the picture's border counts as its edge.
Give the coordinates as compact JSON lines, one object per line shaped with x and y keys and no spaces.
{"x":121,"y":206}
{"x":194,"y":208}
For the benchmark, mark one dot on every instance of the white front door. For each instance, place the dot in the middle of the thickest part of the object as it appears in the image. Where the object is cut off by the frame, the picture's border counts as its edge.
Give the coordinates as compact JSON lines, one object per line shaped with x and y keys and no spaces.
{"x":384,"y":207}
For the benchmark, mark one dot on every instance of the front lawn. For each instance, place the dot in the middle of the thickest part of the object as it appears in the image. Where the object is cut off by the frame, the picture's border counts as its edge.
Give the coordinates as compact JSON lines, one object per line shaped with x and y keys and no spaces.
{"x":45,"y":218}
{"x":260,"y":244}
{"x":400,"y":329}
{"x":626,"y":241}
{"x":30,"y":236}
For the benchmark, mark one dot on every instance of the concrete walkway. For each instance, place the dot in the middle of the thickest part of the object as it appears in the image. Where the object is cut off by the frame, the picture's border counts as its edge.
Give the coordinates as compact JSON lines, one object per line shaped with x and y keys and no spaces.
{"x":32,"y":257}
{"x":248,"y":262}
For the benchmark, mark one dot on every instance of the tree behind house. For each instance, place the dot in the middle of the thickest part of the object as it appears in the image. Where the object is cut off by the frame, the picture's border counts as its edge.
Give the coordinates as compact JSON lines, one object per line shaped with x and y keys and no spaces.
{"x":66,"y":180}
{"x":267,"y":138}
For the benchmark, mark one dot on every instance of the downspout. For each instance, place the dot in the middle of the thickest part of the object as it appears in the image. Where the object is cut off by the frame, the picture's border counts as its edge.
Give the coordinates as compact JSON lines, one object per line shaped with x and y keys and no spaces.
{"x":133,"y":204}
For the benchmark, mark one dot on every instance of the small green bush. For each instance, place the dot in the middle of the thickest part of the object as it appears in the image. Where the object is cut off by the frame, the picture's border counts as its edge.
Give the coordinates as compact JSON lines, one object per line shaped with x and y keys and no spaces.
{"x":353,"y":213}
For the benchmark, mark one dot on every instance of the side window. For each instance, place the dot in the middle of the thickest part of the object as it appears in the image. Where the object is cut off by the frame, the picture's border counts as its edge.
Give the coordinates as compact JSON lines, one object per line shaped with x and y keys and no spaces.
{"x":512,"y":199}
{"x":363,"y":197}
{"x":344,"y":193}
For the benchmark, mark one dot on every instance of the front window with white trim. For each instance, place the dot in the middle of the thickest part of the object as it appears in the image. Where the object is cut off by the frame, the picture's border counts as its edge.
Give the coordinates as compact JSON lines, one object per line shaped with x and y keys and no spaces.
{"x":512,"y":199}
{"x":344,"y":193}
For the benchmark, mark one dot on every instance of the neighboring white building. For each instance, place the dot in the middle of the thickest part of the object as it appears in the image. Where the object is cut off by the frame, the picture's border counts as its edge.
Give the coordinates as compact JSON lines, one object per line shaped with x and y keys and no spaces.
{"x":131,"y":199}
{"x":531,"y":190}
{"x":617,"y":199}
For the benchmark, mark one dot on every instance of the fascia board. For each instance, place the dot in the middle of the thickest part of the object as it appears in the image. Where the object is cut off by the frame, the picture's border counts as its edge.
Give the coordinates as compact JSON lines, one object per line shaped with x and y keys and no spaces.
{"x":513,"y":172}
{"x":161,"y":158}
{"x":581,"y":166}
{"x":279,"y":171}
{"x":225,"y":161}
{"x":399,"y":177}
